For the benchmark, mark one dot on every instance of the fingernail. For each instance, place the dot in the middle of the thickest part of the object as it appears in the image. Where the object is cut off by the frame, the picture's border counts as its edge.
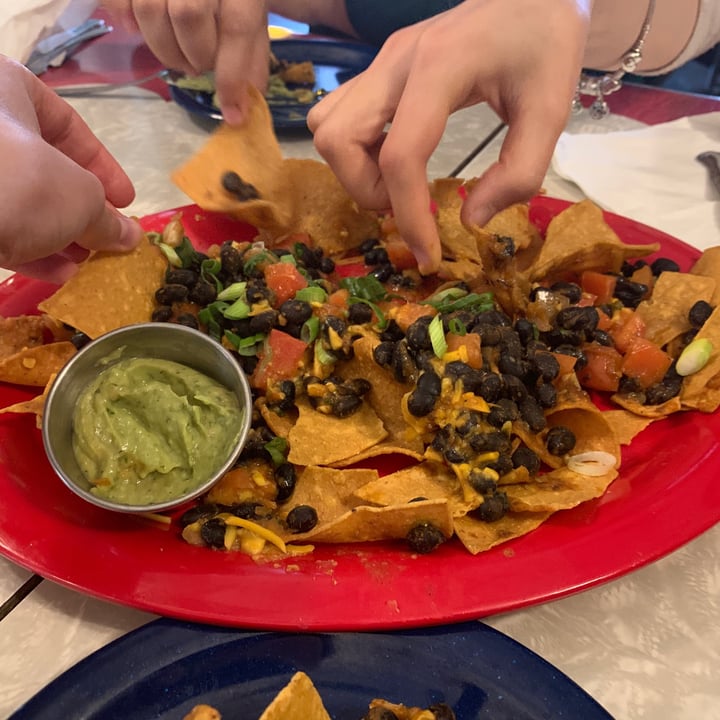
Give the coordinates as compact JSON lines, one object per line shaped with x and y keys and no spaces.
{"x":233,"y":115}
{"x":130,"y":232}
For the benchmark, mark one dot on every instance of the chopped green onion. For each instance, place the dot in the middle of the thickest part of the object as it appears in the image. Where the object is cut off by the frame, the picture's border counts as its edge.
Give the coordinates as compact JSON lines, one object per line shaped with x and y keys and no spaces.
{"x":237,"y":311}
{"x":246,"y":346}
{"x":259,"y":258}
{"x":210,"y":317}
{"x":451,"y":293}
{"x":365,"y":287}
{"x":456,"y":326}
{"x":169,"y":252}
{"x":437,"y":336}
{"x":208,"y":271}
{"x":473,"y":301}
{"x":694,"y":357}
{"x":277,"y":449}
{"x":322,"y":356}
{"x":310,"y":329}
{"x":311,"y":294}
{"x":186,"y":252}
{"x":233,"y":291}
{"x":289,"y":259}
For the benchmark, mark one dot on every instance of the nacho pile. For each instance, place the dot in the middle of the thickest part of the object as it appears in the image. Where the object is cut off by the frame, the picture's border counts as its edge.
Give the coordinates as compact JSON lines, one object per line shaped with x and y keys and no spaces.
{"x":394,"y":407}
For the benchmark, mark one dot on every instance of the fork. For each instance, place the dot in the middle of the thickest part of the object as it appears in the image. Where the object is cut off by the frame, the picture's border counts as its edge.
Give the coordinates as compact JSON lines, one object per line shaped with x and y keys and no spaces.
{"x":83,"y":90}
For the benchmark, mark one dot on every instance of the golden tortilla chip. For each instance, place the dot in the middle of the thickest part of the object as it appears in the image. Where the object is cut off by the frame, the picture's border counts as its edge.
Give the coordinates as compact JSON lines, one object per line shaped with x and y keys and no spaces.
{"x":280,"y":423}
{"x":626,"y":424}
{"x":110,"y":290}
{"x":701,"y":390}
{"x":560,"y":489}
{"x":36,"y":366}
{"x":579,"y":239}
{"x":18,"y":333}
{"x":319,"y":439}
{"x":708,"y":264}
{"x":514,"y":222}
{"x":649,"y":412}
{"x":665,"y":313}
{"x":382,"y":448}
{"x":203,"y":712}
{"x":370,"y":524}
{"x":478,"y":536}
{"x":298,"y":700}
{"x":458,"y":243}
{"x":427,"y":480}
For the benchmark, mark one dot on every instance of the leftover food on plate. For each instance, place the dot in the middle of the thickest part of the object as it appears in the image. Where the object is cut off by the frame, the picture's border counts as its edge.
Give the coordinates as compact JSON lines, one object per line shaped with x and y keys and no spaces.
{"x":300,"y":700}
{"x":493,"y":394}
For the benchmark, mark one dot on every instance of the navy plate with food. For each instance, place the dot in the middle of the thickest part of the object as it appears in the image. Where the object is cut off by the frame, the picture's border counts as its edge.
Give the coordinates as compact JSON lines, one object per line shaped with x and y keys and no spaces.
{"x":163,"y":669}
{"x":334,"y":61}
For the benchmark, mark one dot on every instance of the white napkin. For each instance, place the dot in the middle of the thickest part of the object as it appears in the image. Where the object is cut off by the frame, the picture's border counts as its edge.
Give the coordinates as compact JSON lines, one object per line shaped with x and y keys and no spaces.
{"x":650,"y":175}
{"x":24,"y":22}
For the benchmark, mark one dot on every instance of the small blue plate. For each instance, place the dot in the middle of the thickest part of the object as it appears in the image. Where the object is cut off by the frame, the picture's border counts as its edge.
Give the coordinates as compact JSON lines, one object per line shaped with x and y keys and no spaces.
{"x":161,"y":670}
{"x":334,"y":61}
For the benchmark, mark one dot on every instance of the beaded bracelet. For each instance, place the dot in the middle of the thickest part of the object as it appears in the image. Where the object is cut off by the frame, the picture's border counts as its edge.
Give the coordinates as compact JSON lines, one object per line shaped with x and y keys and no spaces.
{"x":601,"y":85}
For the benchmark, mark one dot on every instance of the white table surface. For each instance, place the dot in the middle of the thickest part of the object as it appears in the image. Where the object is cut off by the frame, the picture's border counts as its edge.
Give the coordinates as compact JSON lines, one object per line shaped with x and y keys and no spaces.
{"x":645,"y":646}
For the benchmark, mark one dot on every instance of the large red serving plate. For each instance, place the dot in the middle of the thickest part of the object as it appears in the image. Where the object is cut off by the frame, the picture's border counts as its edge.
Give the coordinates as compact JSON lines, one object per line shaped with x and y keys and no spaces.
{"x":667,"y":493}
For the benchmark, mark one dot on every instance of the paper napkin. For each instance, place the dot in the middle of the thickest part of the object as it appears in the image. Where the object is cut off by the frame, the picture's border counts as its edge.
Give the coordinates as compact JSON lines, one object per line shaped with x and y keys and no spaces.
{"x":24,"y":22}
{"x":650,"y":175}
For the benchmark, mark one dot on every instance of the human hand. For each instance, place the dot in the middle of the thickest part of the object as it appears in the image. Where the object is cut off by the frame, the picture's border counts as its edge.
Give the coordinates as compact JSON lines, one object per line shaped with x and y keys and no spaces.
{"x":196,"y":36}
{"x":523,"y":58}
{"x":60,"y":187}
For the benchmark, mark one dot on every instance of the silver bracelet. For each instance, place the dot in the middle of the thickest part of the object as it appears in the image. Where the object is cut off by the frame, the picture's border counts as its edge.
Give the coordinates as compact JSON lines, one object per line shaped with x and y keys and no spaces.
{"x":599,"y":86}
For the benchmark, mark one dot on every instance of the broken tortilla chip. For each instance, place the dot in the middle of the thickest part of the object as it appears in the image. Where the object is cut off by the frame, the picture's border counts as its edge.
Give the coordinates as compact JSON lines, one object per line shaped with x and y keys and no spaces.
{"x":478,"y":536}
{"x":36,"y":366}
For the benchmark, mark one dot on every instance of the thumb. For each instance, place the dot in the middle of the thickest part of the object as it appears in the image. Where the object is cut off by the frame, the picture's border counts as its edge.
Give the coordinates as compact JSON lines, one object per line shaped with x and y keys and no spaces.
{"x":112,"y":231}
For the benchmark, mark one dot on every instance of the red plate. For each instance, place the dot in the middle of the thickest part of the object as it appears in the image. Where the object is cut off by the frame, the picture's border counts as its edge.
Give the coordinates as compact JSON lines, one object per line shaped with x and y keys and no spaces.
{"x":667,"y":494}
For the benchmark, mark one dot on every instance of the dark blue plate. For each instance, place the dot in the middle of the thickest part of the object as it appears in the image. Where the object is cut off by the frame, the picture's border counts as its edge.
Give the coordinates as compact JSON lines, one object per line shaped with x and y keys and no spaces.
{"x":335,"y":62}
{"x":160,"y":671}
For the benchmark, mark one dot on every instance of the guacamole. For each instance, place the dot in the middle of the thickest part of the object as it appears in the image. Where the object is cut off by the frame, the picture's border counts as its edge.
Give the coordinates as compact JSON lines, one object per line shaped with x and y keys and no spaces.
{"x":146,"y":431}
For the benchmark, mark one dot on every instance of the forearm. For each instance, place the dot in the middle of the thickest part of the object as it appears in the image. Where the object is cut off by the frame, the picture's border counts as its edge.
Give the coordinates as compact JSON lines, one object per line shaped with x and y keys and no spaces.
{"x":616,"y":24}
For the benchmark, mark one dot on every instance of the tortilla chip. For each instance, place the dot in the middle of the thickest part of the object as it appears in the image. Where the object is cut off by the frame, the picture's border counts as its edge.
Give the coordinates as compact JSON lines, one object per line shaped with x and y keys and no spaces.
{"x":579,"y":239}
{"x":279,"y":423}
{"x":560,"y":489}
{"x":478,"y":536}
{"x":110,"y":290}
{"x":383,"y":448}
{"x":665,"y":314}
{"x":203,"y":712}
{"x":427,"y":480}
{"x":330,"y":491}
{"x":298,"y":700}
{"x":626,"y":424}
{"x":650,"y":412}
{"x":708,"y":264}
{"x":319,"y":439}
{"x":18,"y":333}
{"x":514,"y":222}
{"x":36,"y":366}
{"x":701,"y":390}
{"x":458,"y":243}
{"x":370,"y":524}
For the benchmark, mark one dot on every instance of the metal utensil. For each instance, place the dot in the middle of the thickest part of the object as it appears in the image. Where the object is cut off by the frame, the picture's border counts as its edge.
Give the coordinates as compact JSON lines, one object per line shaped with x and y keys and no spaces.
{"x":711,"y":160}
{"x":86,"y":90}
{"x":62,"y":43}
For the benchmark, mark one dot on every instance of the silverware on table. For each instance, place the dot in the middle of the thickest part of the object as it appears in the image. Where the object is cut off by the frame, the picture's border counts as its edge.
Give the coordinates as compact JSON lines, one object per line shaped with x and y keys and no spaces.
{"x":711,"y":160}
{"x":87,"y":90}
{"x":61,"y":44}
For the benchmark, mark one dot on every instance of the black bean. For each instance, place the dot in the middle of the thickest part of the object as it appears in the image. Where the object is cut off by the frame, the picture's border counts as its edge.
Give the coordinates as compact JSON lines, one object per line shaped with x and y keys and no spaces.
{"x":212,"y":532}
{"x":367,"y":245}
{"x":180,"y":276}
{"x":418,"y":335}
{"x":237,"y":187}
{"x":504,"y":411}
{"x":578,"y":319}
{"x":493,"y":508}
{"x":296,"y":312}
{"x":162,"y":314}
{"x":514,"y":388}
{"x":256,"y":291}
{"x":263,"y":322}
{"x":285,"y":480}
{"x":525,"y":457}
{"x":383,"y":353}
{"x":559,"y":336}
{"x":663,"y":265}
{"x":403,"y":364}
{"x":489,"y":441}
{"x":356,"y":386}
{"x":309,"y":257}
{"x":699,"y":313}
{"x":287,"y":392}
{"x":603,"y":338}
{"x":188,"y":320}
{"x":572,"y":291}
{"x":546,"y":366}
{"x":512,"y":365}
{"x":302,"y":518}
{"x":230,"y":259}
{"x":202,"y":293}
{"x":503,"y":465}
{"x":376,"y":256}
{"x":526,"y":330}
{"x":628,"y":385}
{"x":481,"y":483}
{"x":245,"y":510}
{"x":546,"y":395}
{"x":80,"y":339}
{"x":424,"y":538}
{"x":382,"y":273}
{"x":665,"y":390}
{"x":392,"y":332}
{"x":580,"y":357}
{"x":532,"y":414}
{"x":168,"y":294}
{"x":360,"y":313}
{"x":630,"y":293}
{"x":560,"y":440}
{"x":201,"y":512}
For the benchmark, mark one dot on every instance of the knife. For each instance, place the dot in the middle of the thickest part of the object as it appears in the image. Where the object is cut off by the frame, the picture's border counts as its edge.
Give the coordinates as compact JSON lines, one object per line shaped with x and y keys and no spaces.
{"x":711,"y":161}
{"x":52,"y":47}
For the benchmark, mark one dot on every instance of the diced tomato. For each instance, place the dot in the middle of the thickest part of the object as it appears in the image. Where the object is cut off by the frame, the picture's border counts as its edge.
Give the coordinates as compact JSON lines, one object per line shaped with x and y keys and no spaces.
{"x":339,"y":298}
{"x":603,"y":370}
{"x":471,"y":344}
{"x":601,"y":285}
{"x":629,"y":327}
{"x":566,"y":362}
{"x":400,"y":254}
{"x":407,"y":313}
{"x":646,"y":362}
{"x":284,"y":279}
{"x":281,"y":359}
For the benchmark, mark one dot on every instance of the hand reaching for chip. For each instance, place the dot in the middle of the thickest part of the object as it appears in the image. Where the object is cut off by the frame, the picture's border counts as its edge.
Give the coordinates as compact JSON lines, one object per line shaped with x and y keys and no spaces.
{"x":60,"y":186}
{"x":523,"y":63}
{"x":229,"y":38}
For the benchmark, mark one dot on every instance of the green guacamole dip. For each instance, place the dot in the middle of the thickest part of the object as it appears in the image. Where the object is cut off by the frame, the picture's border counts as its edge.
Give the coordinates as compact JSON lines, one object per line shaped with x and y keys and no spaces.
{"x":146,"y":431}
